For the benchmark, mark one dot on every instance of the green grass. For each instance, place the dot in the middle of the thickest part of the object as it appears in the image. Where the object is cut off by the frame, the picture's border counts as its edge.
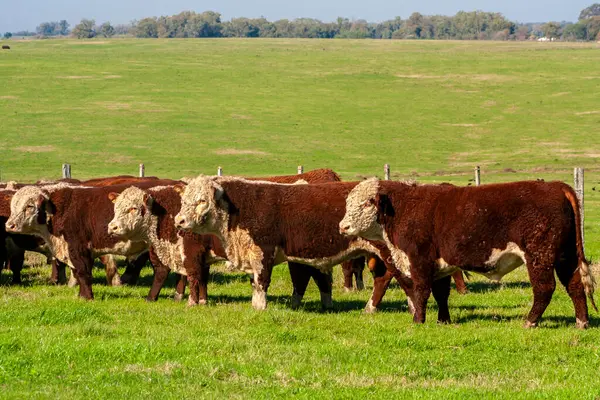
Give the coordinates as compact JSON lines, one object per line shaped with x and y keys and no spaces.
{"x":433,"y":110}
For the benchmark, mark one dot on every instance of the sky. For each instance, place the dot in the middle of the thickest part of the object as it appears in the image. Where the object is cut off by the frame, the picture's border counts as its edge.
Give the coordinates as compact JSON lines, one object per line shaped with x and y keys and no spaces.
{"x":18,"y":15}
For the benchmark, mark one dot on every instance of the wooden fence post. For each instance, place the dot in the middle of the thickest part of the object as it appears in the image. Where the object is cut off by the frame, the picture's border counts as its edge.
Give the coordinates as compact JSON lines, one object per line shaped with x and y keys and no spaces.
{"x":578,"y":181}
{"x":300,"y":169}
{"x":386,"y":172}
{"x":219,"y":171}
{"x":142,"y":171}
{"x":477,"y":176}
{"x":66,"y":171}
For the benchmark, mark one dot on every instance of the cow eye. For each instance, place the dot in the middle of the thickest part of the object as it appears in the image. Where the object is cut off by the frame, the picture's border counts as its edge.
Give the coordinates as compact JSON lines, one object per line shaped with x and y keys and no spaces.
{"x":201,"y":201}
{"x":30,"y":206}
{"x":133,"y":209}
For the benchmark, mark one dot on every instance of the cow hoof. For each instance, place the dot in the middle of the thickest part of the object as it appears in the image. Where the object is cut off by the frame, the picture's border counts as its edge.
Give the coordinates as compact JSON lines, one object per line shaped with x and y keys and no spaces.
{"x":259,"y":300}
{"x":360,"y":285}
{"x":178,"y":297}
{"x":116,"y":281}
{"x":192,"y":303}
{"x":528,"y":325}
{"x":348,"y":289}
{"x":369,"y":308}
{"x":326,"y":301}
{"x":579,"y":324}
{"x":296,"y":301}
{"x":150,"y":299}
{"x":444,"y":321}
{"x":72,"y":281}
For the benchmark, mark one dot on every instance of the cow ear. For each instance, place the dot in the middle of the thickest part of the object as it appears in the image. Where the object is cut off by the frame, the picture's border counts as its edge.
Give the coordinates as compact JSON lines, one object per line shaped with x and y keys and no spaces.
{"x":112,"y":196}
{"x":40,"y":201}
{"x":179,"y":188}
{"x":384,"y":205}
{"x":50,"y":208}
{"x":148,"y":201}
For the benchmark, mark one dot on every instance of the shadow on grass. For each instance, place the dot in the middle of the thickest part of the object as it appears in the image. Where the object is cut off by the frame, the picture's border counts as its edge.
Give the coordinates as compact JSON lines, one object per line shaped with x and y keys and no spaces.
{"x":549,"y":322}
{"x":490,"y":286}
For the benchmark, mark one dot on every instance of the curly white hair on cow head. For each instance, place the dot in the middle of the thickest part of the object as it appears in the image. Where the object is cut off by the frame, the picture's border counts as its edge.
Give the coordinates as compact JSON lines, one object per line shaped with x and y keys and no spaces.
{"x":362,"y":211}
{"x":30,"y":211}
{"x":200,"y":205}
{"x":133,"y":211}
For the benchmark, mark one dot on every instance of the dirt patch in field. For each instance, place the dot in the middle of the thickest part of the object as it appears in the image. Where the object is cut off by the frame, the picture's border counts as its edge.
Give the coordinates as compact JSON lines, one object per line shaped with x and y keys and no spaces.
{"x":587,"y":113}
{"x":474,"y":77}
{"x":465,"y":91}
{"x":559,"y":94}
{"x":113,"y":105}
{"x":8,"y":97}
{"x":120,"y":159}
{"x":489,"y":103}
{"x":461,"y":125}
{"x":236,"y":152}
{"x":239,"y":116}
{"x":36,"y":149}
{"x":112,"y":76}
{"x":76,"y":77}
{"x":165,"y":369}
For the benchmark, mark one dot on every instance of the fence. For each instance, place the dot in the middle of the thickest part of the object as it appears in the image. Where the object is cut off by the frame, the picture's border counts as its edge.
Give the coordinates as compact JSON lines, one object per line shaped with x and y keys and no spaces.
{"x":578,"y":183}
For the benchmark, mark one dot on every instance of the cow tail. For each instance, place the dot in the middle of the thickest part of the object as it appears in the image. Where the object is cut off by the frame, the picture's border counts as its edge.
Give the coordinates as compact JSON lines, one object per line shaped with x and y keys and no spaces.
{"x":587,"y":279}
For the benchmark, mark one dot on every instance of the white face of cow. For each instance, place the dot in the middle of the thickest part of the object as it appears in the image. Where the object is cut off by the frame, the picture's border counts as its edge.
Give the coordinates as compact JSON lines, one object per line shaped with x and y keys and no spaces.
{"x":199,"y":209}
{"x":29,"y":210}
{"x":361,"y":212}
{"x":132,"y":214}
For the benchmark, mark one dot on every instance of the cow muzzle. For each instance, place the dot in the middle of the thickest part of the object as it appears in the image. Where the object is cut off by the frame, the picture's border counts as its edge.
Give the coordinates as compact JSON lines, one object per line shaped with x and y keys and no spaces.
{"x":346,"y":229}
{"x":114,"y":229}
{"x":10,"y":226}
{"x":181,"y":222}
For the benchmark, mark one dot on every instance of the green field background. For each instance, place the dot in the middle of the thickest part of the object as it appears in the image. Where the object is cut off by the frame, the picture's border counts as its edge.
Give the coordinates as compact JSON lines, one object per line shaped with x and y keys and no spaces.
{"x":433,"y":110}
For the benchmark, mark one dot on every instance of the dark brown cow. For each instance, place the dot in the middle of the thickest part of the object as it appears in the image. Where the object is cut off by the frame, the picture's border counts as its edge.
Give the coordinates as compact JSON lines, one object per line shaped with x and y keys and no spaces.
{"x":490,"y":229}
{"x":73,"y":221}
{"x":191,"y":254}
{"x":5,"y":47}
{"x":13,"y":257}
{"x":263,"y":224}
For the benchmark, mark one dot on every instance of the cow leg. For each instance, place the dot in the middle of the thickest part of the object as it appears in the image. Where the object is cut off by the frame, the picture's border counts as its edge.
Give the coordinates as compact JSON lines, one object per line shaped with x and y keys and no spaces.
{"x":543,"y":285}
{"x":15,"y":264}
{"x":198,"y":272}
{"x":180,"y":287}
{"x":73,"y":279}
{"x":300,"y":275}
{"x":324,"y":281}
{"x":441,"y":292}
{"x":459,"y":281}
{"x":134,"y":268}
{"x":422,"y":285}
{"x":571,"y":280}
{"x":347,"y":270}
{"x":381,"y":280}
{"x":112,"y":273}
{"x":262,"y":280}
{"x":59,"y":273}
{"x":201,"y":285}
{"x":358,"y":267}
{"x":161,"y":272}
{"x":82,"y":267}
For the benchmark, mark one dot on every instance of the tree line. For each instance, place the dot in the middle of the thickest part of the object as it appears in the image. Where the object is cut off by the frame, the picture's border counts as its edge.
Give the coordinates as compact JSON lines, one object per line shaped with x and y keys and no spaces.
{"x":475,"y":25}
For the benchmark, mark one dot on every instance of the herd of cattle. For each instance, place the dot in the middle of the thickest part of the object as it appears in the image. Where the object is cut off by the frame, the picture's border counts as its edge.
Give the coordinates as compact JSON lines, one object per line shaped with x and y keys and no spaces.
{"x":421,"y":235}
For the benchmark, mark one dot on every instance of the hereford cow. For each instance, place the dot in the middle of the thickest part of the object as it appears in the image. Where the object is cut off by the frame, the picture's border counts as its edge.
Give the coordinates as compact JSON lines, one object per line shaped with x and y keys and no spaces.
{"x":147,"y":215}
{"x":73,"y":222}
{"x":262,"y":224}
{"x":490,"y":229}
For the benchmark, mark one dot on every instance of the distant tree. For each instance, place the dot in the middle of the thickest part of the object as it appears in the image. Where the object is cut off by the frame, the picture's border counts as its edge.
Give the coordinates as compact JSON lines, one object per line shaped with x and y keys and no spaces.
{"x":573,"y":32}
{"x":522,"y":32}
{"x":107,"y":30}
{"x":122,"y":29}
{"x":551,"y":30}
{"x":589,"y":12}
{"x":63,"y":28}
{"x":85,"y":29}
{"x":7,"y":35}
{"x":147,"y":28}
{"x":48,"y":29}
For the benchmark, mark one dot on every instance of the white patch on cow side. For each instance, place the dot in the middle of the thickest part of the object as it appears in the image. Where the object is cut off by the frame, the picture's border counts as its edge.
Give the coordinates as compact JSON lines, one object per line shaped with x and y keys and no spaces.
{"x":444,"y":269}
{"x":504,"y":261}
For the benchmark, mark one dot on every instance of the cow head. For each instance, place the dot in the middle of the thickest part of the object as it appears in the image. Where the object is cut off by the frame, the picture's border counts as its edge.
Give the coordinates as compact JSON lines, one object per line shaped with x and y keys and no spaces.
{"x":30,"y":211}
{"x":364,"y":207}
{"x":199,"y":205}
{"x":133,"y":209}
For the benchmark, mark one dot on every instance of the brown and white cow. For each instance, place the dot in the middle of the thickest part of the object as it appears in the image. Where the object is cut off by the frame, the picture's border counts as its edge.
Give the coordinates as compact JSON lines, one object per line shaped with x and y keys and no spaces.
{"x":147,"y":215}
{"x":489,"y":229}
{"x":262,"y":224}
{"x":73,"y":222}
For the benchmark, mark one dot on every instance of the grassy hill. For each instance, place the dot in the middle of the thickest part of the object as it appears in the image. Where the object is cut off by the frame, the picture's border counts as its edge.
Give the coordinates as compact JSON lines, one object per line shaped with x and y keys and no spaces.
{"x":433,"y":110}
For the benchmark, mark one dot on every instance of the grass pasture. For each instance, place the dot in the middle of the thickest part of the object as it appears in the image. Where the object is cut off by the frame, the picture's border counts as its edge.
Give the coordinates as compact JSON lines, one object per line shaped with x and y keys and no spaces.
{"x":433,"y":110}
